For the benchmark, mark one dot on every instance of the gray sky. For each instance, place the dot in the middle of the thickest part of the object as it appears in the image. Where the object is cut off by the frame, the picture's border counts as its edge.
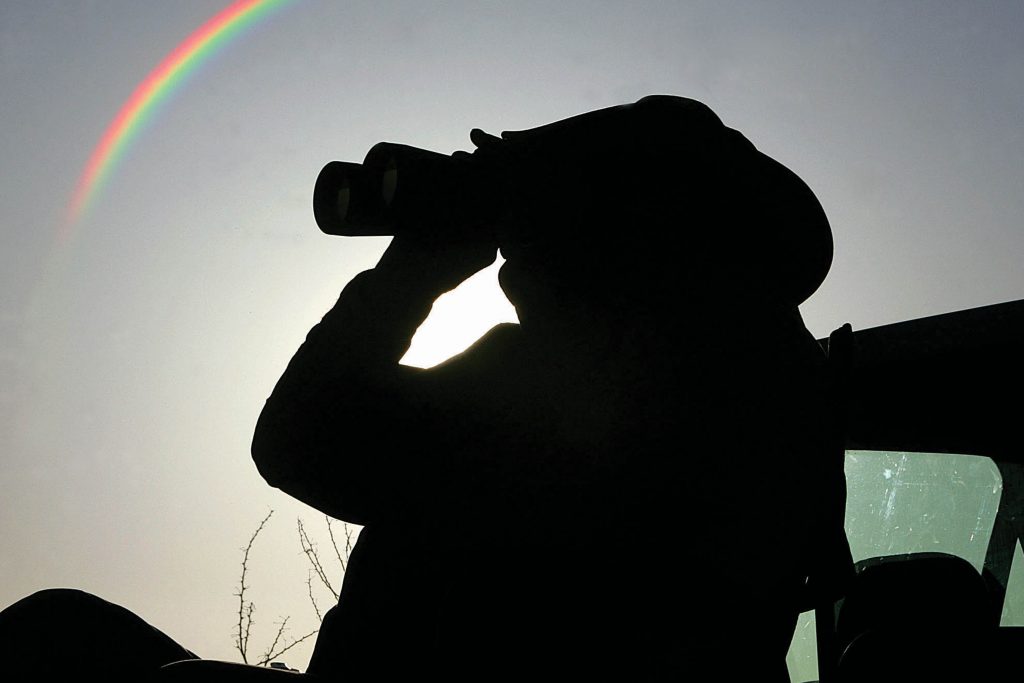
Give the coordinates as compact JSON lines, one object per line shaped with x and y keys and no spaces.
{"x":134,"y":359}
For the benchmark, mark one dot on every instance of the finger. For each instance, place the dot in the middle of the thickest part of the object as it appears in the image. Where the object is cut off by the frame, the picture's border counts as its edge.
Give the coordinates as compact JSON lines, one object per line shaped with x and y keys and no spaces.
{"x":482,"y":139}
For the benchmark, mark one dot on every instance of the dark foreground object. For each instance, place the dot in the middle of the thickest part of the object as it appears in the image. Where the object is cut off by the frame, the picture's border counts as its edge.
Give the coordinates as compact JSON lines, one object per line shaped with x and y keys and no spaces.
{"x":63,"y":634}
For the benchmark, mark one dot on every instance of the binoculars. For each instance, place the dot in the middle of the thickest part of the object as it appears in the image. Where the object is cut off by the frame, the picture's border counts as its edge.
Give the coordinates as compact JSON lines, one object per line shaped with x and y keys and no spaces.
{"x":400,"y":189}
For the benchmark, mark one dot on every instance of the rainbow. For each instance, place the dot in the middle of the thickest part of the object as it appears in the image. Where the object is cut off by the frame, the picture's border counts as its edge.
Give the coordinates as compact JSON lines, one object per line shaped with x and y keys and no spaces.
{"x":157,"y":87}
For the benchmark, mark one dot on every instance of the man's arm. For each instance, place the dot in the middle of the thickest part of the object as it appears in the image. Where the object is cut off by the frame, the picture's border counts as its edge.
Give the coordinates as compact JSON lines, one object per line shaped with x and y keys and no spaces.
{"x":342,"y":429}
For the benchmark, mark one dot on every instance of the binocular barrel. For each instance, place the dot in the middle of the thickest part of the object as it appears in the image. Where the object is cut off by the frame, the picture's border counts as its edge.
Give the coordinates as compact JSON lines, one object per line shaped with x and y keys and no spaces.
{"x":403,"y":190}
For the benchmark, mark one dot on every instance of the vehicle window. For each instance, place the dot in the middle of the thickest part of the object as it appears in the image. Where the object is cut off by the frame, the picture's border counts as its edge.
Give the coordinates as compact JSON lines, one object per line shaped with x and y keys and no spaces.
{"x":907,"y":503}
{"x":920,"y":502}
{"x":1013,"y":605}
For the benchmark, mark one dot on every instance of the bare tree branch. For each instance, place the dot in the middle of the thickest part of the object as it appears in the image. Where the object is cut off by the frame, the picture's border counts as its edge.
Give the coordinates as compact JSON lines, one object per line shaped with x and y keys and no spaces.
{"x":309,"y":587}
{"x":334,"y":544}
{"x":349,"y":534}
{"x":244,"y":645}
{"x":270,"y":656}
{"x":309,"y":548}
{"x":245,"y":610}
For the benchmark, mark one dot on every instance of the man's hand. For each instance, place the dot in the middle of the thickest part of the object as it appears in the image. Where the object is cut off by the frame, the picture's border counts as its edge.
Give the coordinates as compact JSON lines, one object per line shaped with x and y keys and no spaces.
{"x":434,"y":268}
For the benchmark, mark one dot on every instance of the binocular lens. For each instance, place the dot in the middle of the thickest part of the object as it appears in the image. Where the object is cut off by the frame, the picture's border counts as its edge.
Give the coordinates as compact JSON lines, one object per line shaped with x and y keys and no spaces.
{"x":344,"y":194}
{"x":350,"y":199}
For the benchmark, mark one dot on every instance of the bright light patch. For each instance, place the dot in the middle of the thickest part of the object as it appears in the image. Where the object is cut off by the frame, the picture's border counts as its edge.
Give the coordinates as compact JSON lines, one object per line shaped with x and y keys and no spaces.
{"x":459,"y":318}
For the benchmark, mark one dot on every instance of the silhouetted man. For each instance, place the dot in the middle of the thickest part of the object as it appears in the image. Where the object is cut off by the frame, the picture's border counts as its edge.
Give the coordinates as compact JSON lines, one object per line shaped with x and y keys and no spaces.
{"x":634,"y":483}
{"x":628,"y":485}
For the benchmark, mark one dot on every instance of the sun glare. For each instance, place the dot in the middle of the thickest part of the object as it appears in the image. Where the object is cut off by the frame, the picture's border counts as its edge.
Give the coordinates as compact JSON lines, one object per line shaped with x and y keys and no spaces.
{"x":459,"y":318}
